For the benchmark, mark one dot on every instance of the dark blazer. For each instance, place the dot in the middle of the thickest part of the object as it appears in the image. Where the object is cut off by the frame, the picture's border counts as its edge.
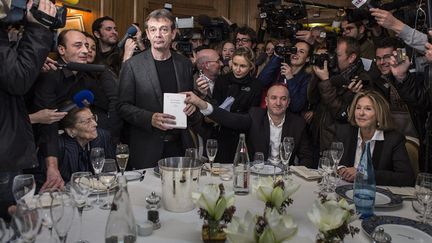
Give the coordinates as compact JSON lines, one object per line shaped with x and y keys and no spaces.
{"x":257,"y":125}
{"x":140,"y":96}
{"x":390,"y":158}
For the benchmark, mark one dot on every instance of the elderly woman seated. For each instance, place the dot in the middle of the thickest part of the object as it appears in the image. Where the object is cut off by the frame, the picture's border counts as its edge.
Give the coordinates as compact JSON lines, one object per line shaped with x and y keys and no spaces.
{"x":370,"y":118}
{"x":80,"y":136}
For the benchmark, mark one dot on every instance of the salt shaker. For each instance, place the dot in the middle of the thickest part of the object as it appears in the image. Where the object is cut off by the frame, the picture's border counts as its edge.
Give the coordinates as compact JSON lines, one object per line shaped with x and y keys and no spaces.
{"x":379,"y":236}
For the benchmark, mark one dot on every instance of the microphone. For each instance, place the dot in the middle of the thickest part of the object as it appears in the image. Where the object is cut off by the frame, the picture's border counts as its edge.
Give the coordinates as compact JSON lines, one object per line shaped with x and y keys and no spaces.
{"x":129,"y":33}
{"x":82,"y":67}
{"x":81,"y":99}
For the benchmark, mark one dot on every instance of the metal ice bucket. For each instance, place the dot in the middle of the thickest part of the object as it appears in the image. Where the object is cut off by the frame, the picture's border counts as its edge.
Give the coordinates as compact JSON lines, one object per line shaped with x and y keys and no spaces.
{"x":180,"y":177}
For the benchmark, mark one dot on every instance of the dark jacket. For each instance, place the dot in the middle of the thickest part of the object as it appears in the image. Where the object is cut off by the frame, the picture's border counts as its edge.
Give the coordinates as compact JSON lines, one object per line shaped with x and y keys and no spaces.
{"x":256,"y":124}
{"x":247,"y":93}
{"x":390,"y":158}
{"x":18,"y":71}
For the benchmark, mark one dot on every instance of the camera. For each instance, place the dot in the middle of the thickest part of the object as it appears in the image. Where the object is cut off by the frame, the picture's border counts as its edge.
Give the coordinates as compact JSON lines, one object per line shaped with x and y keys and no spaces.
{"x":401,"y":55}
{"x":318,"y":60}
{"x":281,"y":19}
{"x":285,"y":52}
{"x":18,"y":11}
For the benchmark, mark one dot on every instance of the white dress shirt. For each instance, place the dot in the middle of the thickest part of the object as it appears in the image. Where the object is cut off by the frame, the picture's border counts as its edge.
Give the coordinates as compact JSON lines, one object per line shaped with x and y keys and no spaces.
{"x":275,"y":139}
{"x":378,"y":136}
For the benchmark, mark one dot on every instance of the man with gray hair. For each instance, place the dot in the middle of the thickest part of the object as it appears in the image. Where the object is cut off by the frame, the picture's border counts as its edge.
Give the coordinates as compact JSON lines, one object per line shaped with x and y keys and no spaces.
{"x":209,"y":65}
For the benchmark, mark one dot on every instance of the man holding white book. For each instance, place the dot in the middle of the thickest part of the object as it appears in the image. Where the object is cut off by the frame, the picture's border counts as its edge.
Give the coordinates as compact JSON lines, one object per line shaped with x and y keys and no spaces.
{"x":145,"y":82}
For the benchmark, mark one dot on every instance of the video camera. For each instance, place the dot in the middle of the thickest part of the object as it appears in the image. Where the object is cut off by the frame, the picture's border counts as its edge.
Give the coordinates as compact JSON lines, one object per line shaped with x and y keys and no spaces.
{"x":281,"y":19}
{"x":214,"y":29}
{"x":18,"y":12}
{"x":182,"y":43}
{"x":319,"y":59}
{"x":286,"y":52}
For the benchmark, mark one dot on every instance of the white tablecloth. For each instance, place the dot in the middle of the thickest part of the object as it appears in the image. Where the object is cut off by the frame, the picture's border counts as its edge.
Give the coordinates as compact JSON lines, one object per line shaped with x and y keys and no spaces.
{"x":186,"y":227}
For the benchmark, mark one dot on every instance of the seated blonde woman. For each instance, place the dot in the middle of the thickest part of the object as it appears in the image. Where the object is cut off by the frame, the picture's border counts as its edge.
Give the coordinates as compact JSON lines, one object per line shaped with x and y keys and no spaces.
{"x":370,"y":120}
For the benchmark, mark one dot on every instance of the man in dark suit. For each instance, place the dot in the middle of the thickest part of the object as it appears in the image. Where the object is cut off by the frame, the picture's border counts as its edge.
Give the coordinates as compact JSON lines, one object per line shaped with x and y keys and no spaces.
{"x":265,"y":127}
{"x":143,"y":80}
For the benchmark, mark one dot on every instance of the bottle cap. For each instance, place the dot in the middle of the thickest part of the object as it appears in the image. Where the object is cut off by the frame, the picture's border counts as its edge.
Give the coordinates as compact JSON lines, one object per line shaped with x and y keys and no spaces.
{"x":144,"y":228}
{"x":379,"y":236}
{"x":153,"y":201}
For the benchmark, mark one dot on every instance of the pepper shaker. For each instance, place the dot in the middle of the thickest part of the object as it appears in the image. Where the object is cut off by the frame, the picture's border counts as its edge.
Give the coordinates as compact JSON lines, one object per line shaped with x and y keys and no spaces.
{"x":379,"y":236}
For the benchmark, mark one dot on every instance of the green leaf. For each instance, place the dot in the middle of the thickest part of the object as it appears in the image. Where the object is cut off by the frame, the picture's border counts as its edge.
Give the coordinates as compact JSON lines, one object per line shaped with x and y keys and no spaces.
{"x":266,"y":236}
{"x":220,"y":208}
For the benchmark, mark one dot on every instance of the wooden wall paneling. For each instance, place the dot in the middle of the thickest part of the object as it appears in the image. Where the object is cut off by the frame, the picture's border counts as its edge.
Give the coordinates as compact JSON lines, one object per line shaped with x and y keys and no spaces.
{"x":88,"y":18}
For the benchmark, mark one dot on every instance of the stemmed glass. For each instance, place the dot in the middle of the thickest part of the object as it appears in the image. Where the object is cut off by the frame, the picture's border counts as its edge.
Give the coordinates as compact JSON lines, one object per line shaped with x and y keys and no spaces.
{"x":45,"y":204}
{"x":62,"y":214}
{"x":336,"y":151}
{"x":259,"y":161}
{"x":327,"y":165}
{"x":122,"y":156}
{"x":97,"y":158}
{"x":108,"y":177}
{"x":211,"y":148}
{"x":285,"y":152}
{"x":23,"y":187}
{"x":4,"y":231}
{"x":80,"y":188}
{"x":191,"y":153}
{"x":423,"y":192}
{"x":27,"y":218}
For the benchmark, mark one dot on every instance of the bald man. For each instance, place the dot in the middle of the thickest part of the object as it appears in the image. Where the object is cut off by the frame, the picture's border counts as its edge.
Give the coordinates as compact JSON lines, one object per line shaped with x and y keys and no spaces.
{"x":265,"y":128}
{"x":209,"y":63}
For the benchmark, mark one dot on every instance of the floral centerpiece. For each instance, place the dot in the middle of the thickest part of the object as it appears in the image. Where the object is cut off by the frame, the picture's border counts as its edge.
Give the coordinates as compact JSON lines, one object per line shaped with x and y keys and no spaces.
{"x":275,"y":194}
{"x":273,"y":227}
{"x":217,"y":208}
{"x":333,"y":218}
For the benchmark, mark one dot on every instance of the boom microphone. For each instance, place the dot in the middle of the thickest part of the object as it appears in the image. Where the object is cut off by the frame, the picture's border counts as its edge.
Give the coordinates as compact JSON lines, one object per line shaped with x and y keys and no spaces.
{"x":129,"y":33}
{"x":82,"y":67}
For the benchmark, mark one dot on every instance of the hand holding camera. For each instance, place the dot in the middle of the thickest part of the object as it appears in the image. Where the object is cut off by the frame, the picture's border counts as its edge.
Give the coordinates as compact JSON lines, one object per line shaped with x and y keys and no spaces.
{"x":322,"y":73}
{"x":399,"y":65}
{"x":286,"y":71}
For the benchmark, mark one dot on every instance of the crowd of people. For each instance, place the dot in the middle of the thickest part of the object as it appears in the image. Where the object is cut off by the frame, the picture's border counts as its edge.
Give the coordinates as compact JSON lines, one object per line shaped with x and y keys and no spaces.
{"x":233,"y":86}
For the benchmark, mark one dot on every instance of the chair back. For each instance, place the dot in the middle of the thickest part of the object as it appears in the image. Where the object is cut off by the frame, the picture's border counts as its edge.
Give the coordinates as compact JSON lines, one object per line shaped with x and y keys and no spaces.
{"x":412,"y":145}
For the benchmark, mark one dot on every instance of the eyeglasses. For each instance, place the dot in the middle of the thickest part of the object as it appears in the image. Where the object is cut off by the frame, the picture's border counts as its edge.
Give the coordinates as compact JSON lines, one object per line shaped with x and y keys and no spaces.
{"x":243,"y":40}
{"x":385,"y":58}
{"x":217,"y":61}
{"x":88,"y":121}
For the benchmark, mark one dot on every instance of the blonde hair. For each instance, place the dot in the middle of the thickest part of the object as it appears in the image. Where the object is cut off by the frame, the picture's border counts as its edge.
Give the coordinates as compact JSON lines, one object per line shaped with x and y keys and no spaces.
{"x":247,"y":54}
{"x":381,"y":106}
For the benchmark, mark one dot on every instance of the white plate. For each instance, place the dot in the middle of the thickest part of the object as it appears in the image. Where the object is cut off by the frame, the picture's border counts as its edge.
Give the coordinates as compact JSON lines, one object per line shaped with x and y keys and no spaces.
{"x":267,"y":170}
{"x":405,"y":234}
{"x":380,"y":199}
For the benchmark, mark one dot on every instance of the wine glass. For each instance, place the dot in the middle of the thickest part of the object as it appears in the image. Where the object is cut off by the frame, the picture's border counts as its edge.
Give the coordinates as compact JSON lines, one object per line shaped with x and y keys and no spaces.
{"x":336,"y":151}
{"x":97,"y":158}
{"x":423,"y":192}
{"x":45,"y":204}
{"x":4,"y":231}
{"x":287,"y":149}
{"x":122,"y":156}
{"x":259,"y":161}
{"x":80,"y":188}
{"x":27,"y":218}
{"x":328,"y":166}
{"x":62,"y":214}
{"x":23,"y":187}
{"x":211,"y":148}
{"x":108,"y":177}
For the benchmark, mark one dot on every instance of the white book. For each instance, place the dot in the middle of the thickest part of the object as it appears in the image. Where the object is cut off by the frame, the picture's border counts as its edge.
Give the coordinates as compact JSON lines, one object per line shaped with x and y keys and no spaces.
{"x":174,"y":104}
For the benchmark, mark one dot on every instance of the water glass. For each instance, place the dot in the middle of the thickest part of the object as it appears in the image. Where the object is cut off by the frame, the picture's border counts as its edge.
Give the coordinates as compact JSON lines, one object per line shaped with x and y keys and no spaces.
{"x":108,"y":177}
{"x":423,"y":192}
{"x":23,"y":187}
{"x":336,"y":151}
{"x":27,"y":218}
{"x":80,"y":188}
{"x":62,"y":214}
{"x":259,"y":161}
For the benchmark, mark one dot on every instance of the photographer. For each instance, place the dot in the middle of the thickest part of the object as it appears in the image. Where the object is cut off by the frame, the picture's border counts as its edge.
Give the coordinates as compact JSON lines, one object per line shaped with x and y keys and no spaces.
{"x":338,"y":91}
{"x":354,"y":27}
{"x":17,"y":74}
{"x":293,"y":73}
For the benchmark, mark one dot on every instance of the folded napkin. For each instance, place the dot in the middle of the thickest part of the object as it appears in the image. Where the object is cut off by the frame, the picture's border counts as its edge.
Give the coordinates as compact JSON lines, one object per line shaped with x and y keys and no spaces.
{"x":303,"y":171}
{"x":403,"y":191}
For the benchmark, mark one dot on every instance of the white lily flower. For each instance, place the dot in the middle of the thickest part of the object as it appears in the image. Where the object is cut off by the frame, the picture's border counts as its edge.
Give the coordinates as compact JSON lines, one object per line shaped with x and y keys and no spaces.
{"x":328,"y":215}
{"x":266,"y":192}
{"x":209,"y":200}
{"x":282,"y":225}
{"x":241,"y":230}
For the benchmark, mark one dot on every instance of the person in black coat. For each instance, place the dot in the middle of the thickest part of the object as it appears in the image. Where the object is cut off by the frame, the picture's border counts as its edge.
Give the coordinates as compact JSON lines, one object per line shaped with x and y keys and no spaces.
{"x":369,"y":115}
{"x":80,"y":136}
{"x":265,"y":128}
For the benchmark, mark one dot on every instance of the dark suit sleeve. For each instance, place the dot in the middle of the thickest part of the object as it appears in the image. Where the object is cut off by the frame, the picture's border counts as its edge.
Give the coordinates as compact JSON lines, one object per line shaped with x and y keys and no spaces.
{"x":45,"y":98}
{"x":20,"y":67}
{"x":126,"y":106}
{"x":110,"y":86}
{"x":304,"y":152}
{"x":231,"y":120}
{"x":401,"y":173}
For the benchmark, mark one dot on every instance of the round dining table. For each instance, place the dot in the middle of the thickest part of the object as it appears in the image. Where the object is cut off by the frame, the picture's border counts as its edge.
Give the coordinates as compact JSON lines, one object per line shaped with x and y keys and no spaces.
{"x":186,"y":227}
